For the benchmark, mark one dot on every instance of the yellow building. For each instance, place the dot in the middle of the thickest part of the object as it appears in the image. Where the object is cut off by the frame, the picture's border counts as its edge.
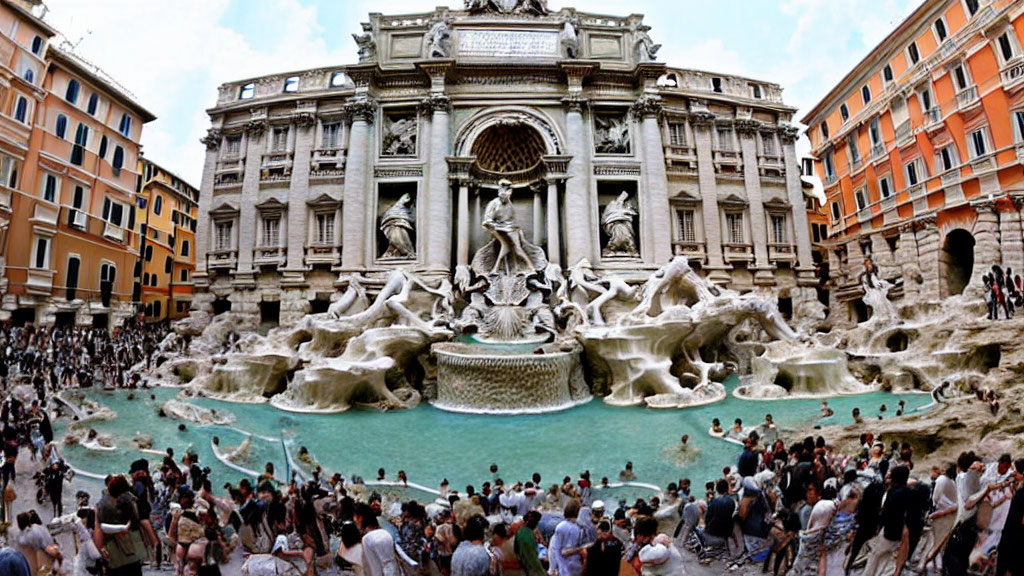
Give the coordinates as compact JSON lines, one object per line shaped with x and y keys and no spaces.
{"x":166,"y":213}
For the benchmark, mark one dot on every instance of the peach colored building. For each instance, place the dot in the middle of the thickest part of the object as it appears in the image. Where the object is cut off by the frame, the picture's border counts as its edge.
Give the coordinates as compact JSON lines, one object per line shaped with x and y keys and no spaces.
{"x":920,"y":147}
{"x":71,"y":246}
{"x":167,"y":228}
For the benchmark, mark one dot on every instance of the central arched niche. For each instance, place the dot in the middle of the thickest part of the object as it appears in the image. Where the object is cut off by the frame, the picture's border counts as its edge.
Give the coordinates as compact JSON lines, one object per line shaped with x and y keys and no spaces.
{"x":509,"y":149}
{"x":956,"y":261}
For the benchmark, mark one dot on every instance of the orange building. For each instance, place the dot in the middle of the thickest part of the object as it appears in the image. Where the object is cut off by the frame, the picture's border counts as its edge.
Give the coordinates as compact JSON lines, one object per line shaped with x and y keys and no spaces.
{"x":71,"y":246}
{"x":166,"y":214}
{"x":920,"y":147}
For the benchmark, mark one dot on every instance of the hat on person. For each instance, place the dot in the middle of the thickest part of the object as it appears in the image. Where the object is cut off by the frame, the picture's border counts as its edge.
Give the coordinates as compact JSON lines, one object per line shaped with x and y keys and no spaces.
{"x":597,"y":505}
{"x":140,"y":465}
{"x":281,"y":543}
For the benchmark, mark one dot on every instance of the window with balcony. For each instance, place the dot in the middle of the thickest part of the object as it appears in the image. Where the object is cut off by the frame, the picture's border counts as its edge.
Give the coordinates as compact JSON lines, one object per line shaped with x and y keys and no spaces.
{"x":861,"y":197}
{"x":836,"y":212}
{"x":21,"y":110}
{"x":885,"y":186}
{"x":71,"y":280}
{"x":61,"y":129}
{"x":780,"y":229}
{"x":768,"y":147}
{"x":960,"y":77}
{"x":946,"y":158}
{"x":865,"y":94}
{"x":725,"y":141}
{"x":1018,"y":126}
{"x":41,"y":254}
{"x":331,"y":135}
{"x":978,"y":142}
{"x":270,"y":231}
{"x":941,"y":33}
{"x":914,"y":172}
{"x":844,"y":112}
{"x":913,"y":55}
{"x":830,"y":167}
{"x":279,"y":139}
{"x":324,"y":234}
{"x":291,"y":84}
{"x":1007,"y":46}
{"x":125,"y":126}
{"x":222,"y":235}
{"x":232,"y":146}
{"x":875,"y":135}
{"x":247,"y":91}
{"x":71,"y":93}
{"x":734,"y":228}
{"x":94,"y":103}
{"x":925,"y":96}
{"x":50,"y":185}
{"x":854,"y":150}
{"x":687,"y":228}
{"x":677,"y":133}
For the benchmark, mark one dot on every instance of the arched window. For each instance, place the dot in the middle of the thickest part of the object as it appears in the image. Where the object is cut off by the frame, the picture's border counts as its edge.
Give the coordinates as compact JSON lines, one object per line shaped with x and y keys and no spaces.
{"x":21,"y":109}
{"x":72,"y":92}
{"x":118,"y":161}
{"x":30,"y":76}
{"x":81,"y":141}
{"x":62,"y":126}
{"x":158,"y":205}
{"x":94,"y":103}
{"x":103,"y":147}
{"x":125,"y":128}
{"x":247,"y":92}
{"x":37,"y":45}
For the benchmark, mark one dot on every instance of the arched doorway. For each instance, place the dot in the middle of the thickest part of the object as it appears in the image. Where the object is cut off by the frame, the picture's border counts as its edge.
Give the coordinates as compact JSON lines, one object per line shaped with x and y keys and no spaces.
{"x":956,"y":261}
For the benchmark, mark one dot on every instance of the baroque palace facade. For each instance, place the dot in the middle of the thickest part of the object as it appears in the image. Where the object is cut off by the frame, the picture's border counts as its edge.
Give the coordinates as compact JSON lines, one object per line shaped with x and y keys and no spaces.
{"x":920,"y":148}
{"x":309,"y":174}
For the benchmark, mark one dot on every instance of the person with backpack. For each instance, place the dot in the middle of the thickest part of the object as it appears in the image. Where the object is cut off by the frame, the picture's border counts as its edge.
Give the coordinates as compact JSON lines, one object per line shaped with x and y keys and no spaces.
{"x":754,"y":516}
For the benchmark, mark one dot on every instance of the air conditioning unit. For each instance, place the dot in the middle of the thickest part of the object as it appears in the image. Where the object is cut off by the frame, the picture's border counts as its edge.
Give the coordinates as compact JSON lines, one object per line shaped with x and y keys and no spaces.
{"x":112,"y":232}
{"x":79,"y":219}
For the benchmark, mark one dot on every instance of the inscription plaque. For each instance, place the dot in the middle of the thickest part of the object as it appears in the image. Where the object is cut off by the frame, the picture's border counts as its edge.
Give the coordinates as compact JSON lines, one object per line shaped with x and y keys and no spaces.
{"x":507,"y":43}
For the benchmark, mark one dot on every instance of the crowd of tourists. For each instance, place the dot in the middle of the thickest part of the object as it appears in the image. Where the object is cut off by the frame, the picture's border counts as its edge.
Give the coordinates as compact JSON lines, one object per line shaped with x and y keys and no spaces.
{"x":1004,"y":293}
{"x":799,"y":508}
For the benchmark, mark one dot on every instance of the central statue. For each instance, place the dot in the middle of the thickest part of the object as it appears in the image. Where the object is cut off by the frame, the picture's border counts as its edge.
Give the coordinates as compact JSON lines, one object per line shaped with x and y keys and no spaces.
{"x":508,"y":253}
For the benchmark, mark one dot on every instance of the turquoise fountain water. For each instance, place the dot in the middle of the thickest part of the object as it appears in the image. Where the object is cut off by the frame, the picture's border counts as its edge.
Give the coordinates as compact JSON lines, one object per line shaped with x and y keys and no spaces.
{"x":431,"y":444}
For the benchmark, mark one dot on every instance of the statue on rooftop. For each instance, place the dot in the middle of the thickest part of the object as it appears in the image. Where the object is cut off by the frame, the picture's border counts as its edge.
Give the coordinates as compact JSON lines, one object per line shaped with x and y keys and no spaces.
{"x":367,"y":47}
{"x":439,"y":40}
{"x":646,"y":49}
{"x":536,"y":7}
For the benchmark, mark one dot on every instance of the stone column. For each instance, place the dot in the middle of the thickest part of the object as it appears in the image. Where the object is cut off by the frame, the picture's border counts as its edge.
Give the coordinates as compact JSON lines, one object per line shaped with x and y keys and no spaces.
{"x":1011,"y":240}
{"x":212,"y":140}
{"x":438,"y":197}
{"x":462,"y":251}
{"x":762,"y":268}
{"x":247,"y":225}
{"x":538,"y":217}
{"x":906,"y":258}
{"x":298,"y":194}
{"x":654,"y":206}
{"x":806,"y":275}
{"x":354,"y":196}
{"x":718,"y":271}
{"x":554,"y":244}
{"x":578,"y":199}
{"x":927,"y":234}
{"x":986,"y":246}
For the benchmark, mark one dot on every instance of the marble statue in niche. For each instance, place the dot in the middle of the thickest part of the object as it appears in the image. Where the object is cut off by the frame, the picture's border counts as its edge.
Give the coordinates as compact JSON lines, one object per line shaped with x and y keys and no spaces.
{"x":646,"y":49}
{"x":500,"y":222}
{"x":399,"y":137}
{"x":612,"y":135}
{"x":617,"y":223}
{"x":439,"y":40}
{"x":397,"y":224}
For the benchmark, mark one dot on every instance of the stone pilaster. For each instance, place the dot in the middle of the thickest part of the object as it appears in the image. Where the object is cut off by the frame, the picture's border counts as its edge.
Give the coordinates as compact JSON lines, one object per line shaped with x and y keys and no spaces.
{"x":718,"y":271}
{"x":202,"y":247}
{"x":554,"y":244}
{"x":578,"y":199}
{"x":986,"y":246}
{"x":806,"y":274}
{"x":298,"y":194}
{"x":927,"y":234}
{"x":355,"y":202}
{"x":656,"y":220}
{"x":438,"y":197}
{"x":762,"y":268}
{"x":1011,"y":238}
{"x":247,"y":232}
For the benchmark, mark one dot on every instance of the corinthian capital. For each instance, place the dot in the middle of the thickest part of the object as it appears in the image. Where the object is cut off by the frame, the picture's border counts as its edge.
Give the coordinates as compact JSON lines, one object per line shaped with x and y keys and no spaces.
{"x":364,"y":108}
{"x":436,"y":103}
{"x":647,"y":106}
{"x":212,"y":138}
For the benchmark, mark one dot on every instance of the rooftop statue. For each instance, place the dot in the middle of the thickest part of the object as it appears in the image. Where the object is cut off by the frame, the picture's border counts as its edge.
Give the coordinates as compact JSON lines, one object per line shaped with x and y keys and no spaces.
{"x":537,"y":7}
{"x":439,"y":40}
{"x":646,"y":49}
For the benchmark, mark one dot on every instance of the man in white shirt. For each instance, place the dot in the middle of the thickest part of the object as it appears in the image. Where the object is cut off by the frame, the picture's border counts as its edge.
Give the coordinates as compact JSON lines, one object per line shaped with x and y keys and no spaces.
{"x":943,"y":516}
{"x":378,"y":545}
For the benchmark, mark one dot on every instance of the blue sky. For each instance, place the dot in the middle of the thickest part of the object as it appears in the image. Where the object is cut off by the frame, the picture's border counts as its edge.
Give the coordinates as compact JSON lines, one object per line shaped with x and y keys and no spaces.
{"x":172,"y":54}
